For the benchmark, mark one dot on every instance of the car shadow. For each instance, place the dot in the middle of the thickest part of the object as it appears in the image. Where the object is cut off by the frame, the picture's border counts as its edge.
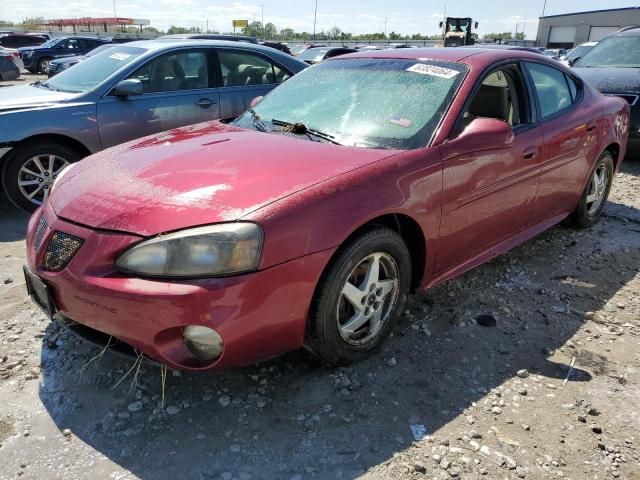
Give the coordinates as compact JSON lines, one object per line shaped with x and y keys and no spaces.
{"x":290,"y":416}
{"x":13,"y":222}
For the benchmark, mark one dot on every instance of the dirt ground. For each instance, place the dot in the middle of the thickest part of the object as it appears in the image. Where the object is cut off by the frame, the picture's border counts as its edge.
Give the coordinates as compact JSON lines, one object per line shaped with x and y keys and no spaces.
{"x":485,"y":402}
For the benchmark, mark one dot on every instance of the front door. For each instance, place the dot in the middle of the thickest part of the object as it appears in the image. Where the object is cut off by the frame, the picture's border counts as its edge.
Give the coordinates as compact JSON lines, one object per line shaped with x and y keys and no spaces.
{"x":487,"y":193}
{"x":179,"y":88}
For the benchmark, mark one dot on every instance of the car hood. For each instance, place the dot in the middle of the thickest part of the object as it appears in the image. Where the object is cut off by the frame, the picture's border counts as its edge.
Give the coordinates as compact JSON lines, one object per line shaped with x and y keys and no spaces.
{"x":612,"y":80}
{"x":196,"y":175}
{"x":27,"y":96}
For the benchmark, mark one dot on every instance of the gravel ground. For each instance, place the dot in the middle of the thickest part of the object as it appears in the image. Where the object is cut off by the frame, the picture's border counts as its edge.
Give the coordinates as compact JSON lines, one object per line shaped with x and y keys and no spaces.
{"x":445,"y":398}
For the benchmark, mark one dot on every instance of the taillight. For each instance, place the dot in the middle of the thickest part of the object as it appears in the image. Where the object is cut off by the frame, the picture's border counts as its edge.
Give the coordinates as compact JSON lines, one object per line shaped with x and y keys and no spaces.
{"x":8,"y":57}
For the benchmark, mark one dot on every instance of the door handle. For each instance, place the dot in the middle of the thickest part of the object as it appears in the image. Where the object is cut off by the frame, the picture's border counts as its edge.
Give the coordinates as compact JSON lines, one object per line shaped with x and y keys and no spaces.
{"x":205,"y":102}
{"x":591,"y":127}
{"x":530,"y":153}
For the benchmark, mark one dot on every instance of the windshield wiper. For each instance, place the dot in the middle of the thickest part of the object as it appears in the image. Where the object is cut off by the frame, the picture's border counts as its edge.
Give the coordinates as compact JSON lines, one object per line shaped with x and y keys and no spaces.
{"x":38,"y":83}
{"x":302,"y":129}
{"x":257,"y":121}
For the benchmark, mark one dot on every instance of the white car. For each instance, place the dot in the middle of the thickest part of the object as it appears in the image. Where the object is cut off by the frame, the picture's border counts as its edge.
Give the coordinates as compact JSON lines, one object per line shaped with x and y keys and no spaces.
{"x":15,"y":54}
{"x":580,"y":51}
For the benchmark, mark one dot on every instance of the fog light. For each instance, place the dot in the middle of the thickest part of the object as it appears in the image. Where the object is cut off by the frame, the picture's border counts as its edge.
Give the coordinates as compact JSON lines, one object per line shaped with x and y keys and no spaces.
{"x":204,"y":343}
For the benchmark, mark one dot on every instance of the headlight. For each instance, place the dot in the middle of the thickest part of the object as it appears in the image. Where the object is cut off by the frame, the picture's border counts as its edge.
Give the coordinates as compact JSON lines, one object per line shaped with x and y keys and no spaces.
{"x":27,"y":54}
{"x":212,"y":251}
{"x":64,"y":66}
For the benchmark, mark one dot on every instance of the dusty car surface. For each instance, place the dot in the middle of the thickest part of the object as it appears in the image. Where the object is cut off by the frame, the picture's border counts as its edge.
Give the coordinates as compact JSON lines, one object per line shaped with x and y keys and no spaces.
{"x":125,"y":92}
{"x":309,"y":219}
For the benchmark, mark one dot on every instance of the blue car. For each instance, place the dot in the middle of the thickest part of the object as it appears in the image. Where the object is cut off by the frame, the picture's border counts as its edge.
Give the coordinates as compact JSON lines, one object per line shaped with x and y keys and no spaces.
{"x":36,"y":59}
{"x":124,"y":93}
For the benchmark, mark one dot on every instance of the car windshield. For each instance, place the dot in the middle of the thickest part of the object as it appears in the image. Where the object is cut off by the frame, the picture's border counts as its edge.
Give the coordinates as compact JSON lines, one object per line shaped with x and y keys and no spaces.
{"x":86,"y":75}
{"x":579,"y":51}
{"x":370,"y":103}
{"x":51,"y":43}
{"x":613,"y":52}
{"x":313,"y":54}
{"x":100,"y":49}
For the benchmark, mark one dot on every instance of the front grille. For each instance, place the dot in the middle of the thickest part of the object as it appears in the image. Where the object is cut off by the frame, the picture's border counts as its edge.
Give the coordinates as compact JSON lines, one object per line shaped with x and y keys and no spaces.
{"x":61,"y":249}
{"x":41,"y":229}
{"x":631,"y":98}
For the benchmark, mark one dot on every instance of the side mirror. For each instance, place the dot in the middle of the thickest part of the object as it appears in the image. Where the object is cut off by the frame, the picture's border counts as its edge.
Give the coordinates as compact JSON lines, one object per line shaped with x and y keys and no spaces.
{"x":573,"y":61}
{"x":476,"y":25}
{"x":128,"y":87}
{"x":256,"y":101}
{"x":441,"y":24}
{"x":486,"y":134}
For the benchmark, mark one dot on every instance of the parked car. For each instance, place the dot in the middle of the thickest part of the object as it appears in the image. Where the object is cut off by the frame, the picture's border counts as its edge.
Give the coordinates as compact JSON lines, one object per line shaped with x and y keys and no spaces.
{"x":613,"y":67}
{"x":8,"y":68}
{"x":554,"y":53}
{"x":309,"y":219}
{"x":19,"y":40}
{"x":298,"y":49}
{"x":211,"y":36}
{"x":61,"y":64}
{"x":122,"y":93}
{"x":502,"y":46}
{"x":580,"y":51}
{"x":36,"y":59}
{"x":15,"y":54}
{"x":278,"y":46}
{"x":317,"y":54}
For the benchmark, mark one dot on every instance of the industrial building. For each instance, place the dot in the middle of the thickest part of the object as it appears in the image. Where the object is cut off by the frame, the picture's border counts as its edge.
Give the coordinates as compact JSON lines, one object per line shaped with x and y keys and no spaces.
{"x":572,"y":29}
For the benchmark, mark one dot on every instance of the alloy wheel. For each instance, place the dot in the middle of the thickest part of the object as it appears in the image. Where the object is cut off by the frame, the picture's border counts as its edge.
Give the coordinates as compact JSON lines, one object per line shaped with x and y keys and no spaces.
{"x":368,"y":298}
{"x":597,"y":189}
{"x":37,"y":175}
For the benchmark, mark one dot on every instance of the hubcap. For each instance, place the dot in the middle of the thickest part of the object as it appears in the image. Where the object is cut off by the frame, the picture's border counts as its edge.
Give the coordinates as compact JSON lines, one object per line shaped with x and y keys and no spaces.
{"x":597,"y":189}
{"x":368,"y":298}
{"x":37,"y":175}
{"x":44,"y":66}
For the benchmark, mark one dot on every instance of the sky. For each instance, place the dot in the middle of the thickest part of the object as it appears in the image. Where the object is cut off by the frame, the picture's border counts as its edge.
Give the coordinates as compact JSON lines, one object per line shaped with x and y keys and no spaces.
{"x":356,"y":16}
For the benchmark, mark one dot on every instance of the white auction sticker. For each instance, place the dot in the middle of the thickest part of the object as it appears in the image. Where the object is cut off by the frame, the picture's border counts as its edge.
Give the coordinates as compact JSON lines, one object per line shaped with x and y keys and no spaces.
{"x":434,"y":70}
{"x":120,"y":56}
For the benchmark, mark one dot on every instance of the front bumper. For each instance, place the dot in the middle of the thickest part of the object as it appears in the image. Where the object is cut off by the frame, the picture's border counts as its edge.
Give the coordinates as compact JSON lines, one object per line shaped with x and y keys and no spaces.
{"x":258,"y":315}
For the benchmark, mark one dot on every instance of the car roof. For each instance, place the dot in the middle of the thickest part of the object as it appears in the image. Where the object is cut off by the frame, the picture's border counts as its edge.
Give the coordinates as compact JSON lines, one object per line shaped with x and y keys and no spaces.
{"x":479,"y":54}
{"x":631,"y":31}
{"x":168,"y":43}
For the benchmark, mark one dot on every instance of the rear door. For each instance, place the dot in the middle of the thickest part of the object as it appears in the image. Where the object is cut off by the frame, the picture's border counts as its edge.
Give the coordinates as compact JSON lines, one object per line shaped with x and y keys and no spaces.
{"x":571,"y":129}
{"x":244,"y":75}
{"x":179,"y":88}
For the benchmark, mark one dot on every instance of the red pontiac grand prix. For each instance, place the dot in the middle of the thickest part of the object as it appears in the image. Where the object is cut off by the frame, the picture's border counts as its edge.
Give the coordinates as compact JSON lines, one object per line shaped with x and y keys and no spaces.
{"x":309,"y":219}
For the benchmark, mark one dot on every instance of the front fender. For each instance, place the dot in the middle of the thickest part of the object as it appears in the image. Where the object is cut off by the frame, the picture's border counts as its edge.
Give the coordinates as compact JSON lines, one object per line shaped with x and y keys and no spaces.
{"x":323,"y":216}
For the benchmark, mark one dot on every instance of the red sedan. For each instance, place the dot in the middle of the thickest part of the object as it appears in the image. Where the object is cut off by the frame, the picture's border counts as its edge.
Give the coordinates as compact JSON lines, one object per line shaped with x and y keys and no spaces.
{"x":309,"y":219}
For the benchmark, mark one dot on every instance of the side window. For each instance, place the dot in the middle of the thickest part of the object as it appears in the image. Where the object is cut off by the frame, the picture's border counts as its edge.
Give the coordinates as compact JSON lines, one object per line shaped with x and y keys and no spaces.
{"x":553,"y":90}
{"x":72,"y":44}
{"x":501,"y":95}
{"x":573,"y":88}
{"x":174,"y":71}
{"x":243,"y":68}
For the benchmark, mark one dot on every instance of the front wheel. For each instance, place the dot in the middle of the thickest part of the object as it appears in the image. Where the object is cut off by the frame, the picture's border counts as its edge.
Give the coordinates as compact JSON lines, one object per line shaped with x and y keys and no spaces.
{"x":43,"y":65}
{"x":31,"y":170}
{"x":359,"y":297}
{"x":596,"y":193}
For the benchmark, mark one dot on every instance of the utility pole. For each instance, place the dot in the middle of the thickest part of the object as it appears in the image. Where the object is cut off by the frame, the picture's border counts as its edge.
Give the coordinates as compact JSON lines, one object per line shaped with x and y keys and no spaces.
{"x":385,"y":26}
{"x":315,"y":18}
{"x":544,"y":8}
{"x":263,"y":29}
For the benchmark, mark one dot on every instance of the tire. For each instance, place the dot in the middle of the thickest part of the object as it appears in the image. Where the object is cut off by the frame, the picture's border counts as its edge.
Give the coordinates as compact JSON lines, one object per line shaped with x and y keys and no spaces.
{"x":43,"y":65}
{"x":24,"y":156}
{"x":588,"y":212}
{"x":331,"y":311}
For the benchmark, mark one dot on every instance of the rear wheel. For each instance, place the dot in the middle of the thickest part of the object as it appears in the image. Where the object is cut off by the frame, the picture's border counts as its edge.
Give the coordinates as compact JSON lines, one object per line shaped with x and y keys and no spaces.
{"x":595,"y":195}
{"x":359,"y":297}
{"x":31,"y":170}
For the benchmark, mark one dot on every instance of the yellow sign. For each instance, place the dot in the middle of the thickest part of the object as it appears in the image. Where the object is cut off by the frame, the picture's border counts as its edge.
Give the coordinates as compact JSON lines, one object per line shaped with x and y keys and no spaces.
{"x":240,"y":23}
